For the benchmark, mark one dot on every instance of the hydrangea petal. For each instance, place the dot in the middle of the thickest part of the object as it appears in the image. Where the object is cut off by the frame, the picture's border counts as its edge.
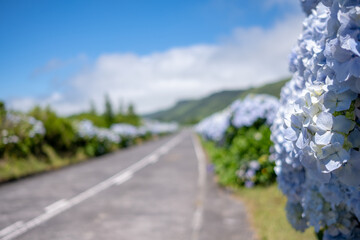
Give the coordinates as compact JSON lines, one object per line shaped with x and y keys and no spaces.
{"x":323,"y":138}
{"x":335,"y":160}
{"x":330,"y":101}
{"x":332,"y":163}
{"x":349,"y":43}
{"x":342,"y":71}
{"x":330,"y":149}
{"x":354,"y":138}
{"x":290,"y":134}
{"x":354,"y":67}
{"x":296,"y":121}
{"x":343,"y":124}
{"x":337,"y":138}
{"x":325,"y":121}
{"x":303,"y":141}
{"x":349,"y":175}
{"x":342,"y":101}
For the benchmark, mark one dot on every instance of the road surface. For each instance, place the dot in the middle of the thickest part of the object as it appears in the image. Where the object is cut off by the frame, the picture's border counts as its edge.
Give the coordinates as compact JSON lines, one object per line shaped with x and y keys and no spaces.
{"x":160,"y":190}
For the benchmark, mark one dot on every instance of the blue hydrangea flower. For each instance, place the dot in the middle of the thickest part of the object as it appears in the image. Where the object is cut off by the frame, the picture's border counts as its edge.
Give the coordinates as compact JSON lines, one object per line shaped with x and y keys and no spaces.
{"x":316,"y":133}
{"x":239,"y":114}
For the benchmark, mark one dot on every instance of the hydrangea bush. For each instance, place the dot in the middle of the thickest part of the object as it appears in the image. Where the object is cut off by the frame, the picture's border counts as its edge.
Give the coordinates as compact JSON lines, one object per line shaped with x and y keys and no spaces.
{"x":242,"y":137}
{"x":95,"y":140}
{"x":154,"y":127}
{"x":317,"y":130}
{"x":98,"y":140}
{"x":214,"y":127}
{"x":253,"y":108}
{"x":20,"y":134}
{"x":241,"y":113}
{"x":125,"y":130}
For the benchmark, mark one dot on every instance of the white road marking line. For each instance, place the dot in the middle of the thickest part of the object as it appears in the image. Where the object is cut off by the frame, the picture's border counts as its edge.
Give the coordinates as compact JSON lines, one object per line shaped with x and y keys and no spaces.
{"x":198,"y":214}
{"x":11,"y":228}
{"x":62,"y":205}
{"x":123,"y":178}
{"x":154,"y":159}
{"x":197,"y":220}
{"x":56,"y":205}
{"x":164,"y":149}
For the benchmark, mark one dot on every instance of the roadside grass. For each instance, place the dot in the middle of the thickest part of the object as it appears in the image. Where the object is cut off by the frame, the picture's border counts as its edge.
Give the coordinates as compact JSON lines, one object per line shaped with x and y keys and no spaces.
{"x":266,"y":210}
{"x":16,"y":168}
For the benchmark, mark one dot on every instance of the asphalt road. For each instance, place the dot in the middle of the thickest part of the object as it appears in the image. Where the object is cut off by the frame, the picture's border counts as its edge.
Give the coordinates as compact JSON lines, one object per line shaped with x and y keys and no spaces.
{"x":161,"y":190}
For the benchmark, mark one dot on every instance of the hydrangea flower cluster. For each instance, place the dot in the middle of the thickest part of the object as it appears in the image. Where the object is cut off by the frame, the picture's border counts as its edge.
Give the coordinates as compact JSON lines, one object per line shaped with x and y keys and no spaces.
{"x":17,"y":127}
{"x":116,"y":132}
{"x":252,"y":108}
{"x":239,"y":114}
{"x":87,"y":130}
{"x":214,"y":127}
{"x":247,"y":173}
{"x":125,"y":130}
{"x":156,"y":127}
{"x":8,"y":138}
{"x":309,"y":5}
{"x":37,"y":127}
{"x":317,"y":129}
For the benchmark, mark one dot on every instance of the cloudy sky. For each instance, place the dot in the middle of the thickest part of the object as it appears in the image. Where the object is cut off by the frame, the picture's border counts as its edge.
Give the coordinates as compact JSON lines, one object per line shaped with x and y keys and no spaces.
{"x":151,"y":53}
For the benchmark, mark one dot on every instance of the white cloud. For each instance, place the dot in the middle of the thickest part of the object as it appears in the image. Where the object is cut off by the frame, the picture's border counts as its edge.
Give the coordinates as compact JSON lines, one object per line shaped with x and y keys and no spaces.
{"x":249,"y":57}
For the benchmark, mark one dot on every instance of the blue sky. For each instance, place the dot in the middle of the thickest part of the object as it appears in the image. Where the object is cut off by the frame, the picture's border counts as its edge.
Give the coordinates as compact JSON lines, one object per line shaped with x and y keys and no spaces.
{"x":46,"y":45}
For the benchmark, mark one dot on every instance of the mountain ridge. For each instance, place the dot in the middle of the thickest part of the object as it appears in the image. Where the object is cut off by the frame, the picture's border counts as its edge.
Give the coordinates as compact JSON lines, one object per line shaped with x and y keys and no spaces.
{"x":189,"y":111}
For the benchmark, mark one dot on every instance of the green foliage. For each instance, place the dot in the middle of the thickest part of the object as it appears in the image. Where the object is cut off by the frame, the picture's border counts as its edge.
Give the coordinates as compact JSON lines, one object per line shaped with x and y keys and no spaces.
{"x":15,"y":138}
{"x":241,"y":147}
{"x":94,"y":147}
{"x":2,"y":110}
{"x":131,"y":110}
{"x":108,"y":114}
{"x":92,"y":108}
{"x":17,"y":167}
{"x":101,"y":121}
{"x":130,"y":119}
{"x":60,"y":133}
{"x":192,"y":111}
{"x":121,"y":108}
{"x":97,"y":120}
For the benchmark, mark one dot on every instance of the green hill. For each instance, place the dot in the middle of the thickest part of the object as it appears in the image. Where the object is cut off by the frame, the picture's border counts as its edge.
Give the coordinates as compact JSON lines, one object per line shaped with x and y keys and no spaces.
{"x":192,"y":111}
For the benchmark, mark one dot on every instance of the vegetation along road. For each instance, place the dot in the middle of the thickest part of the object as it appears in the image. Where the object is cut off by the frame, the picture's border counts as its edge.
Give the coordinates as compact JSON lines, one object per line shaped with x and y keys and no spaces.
{"x":159,"y":190}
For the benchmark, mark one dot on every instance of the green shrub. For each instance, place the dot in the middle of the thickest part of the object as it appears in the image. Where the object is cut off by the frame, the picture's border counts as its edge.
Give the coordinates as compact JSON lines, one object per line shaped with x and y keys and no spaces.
{"x":96,"y":147}
{"x":18,"y":137}
{"x":243,"y":158}
{"x":60,"y":133}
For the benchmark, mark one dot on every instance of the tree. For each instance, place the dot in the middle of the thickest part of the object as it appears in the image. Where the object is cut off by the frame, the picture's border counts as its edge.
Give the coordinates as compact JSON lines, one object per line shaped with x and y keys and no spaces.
{"x":121,"y":107}
{"x":131,"y":110}
{"x":2,"y":110}
{"x":92,"y":108}
{"x":108,"y":114}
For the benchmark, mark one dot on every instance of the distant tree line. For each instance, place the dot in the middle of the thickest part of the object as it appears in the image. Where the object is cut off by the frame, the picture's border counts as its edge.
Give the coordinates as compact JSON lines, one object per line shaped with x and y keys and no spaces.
{"x":125,"y":114}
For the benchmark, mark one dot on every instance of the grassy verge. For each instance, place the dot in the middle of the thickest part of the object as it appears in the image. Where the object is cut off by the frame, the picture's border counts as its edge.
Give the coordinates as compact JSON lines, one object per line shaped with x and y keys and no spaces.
{"x":16,"y":168}
{"x":266,"y":207}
